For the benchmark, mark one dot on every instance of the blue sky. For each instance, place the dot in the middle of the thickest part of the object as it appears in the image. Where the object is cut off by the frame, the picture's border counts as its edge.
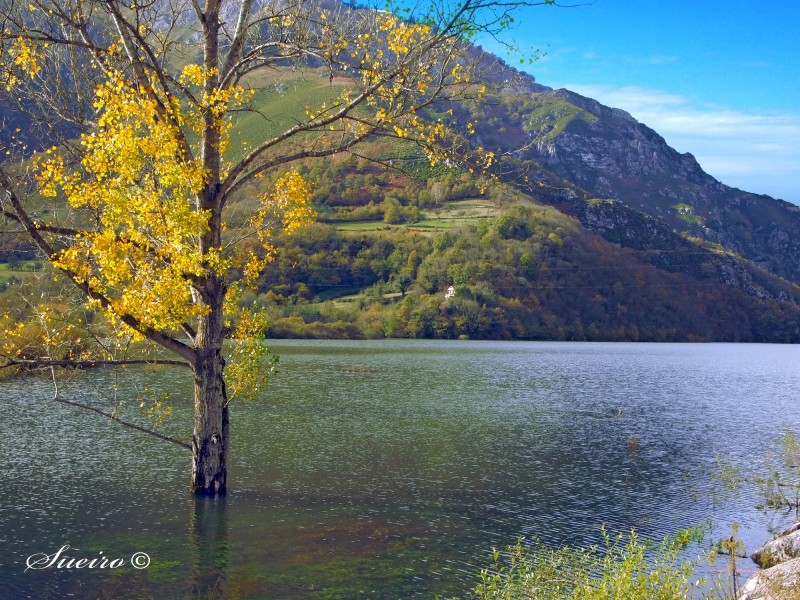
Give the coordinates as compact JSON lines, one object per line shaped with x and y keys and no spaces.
{"x":719,"y":79}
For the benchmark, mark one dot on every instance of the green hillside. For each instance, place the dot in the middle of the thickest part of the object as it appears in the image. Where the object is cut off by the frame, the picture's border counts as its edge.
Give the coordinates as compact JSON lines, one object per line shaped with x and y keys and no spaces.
{"x":528,"y":254}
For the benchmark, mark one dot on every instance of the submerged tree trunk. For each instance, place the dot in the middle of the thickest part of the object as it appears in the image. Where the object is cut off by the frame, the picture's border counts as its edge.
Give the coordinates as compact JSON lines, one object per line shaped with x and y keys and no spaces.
{"x":209,"y":546}
{"x":210,"y":439}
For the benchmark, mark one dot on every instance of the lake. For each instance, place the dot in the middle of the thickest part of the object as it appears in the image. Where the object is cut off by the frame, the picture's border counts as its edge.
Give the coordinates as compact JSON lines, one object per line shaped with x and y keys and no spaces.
{"x":387,"y":469}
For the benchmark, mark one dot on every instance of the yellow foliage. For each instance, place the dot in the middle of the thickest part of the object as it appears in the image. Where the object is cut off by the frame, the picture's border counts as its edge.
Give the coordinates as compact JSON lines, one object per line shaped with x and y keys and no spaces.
{"x":142,"y":187}
{"x":45,"y":333}
{"x":287,"y":208}
{"x":20,"y":59}
{"x":26,"y":57}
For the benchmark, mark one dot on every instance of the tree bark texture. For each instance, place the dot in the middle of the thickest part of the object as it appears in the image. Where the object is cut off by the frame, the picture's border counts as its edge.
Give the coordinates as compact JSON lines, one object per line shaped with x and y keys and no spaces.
{"x":210,"y":440}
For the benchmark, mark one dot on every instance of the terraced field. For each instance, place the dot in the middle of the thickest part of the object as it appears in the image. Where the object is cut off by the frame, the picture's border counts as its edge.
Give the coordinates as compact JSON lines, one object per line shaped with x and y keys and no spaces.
{"x":451,"y":215}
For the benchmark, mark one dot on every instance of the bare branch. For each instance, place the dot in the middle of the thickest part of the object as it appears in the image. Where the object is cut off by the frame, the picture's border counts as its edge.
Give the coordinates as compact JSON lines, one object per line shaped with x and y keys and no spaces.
{"x":115,"y":418}
{"x":43,"y":227}
{"x":35,"y":364}
{"x":237,"y":44}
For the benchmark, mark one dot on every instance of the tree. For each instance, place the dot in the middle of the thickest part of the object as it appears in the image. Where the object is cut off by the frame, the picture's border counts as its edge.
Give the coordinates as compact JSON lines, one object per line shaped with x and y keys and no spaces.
{"x":132,"y":106}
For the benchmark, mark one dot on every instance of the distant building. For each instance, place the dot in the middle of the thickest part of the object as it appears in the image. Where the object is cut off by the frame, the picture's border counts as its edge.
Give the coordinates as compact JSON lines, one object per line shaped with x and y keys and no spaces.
{"x":451,"y":291}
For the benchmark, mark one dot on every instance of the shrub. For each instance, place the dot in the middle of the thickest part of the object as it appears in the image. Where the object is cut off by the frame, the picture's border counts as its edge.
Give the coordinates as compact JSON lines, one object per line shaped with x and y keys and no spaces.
{"x":625,"y":567}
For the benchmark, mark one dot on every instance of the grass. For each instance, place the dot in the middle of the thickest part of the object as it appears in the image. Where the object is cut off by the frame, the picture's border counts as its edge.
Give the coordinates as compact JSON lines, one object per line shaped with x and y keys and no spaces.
{"x":447,"y":222}
{"x":278,"y":104}
{"x":24,"y":266}
{"x":451,"y":215}
{"x":367,"y":226}
{"x":28,"y":269}
{"x":350,"y":299}
{"x":549,"y":115}
{"x":428,"y":225}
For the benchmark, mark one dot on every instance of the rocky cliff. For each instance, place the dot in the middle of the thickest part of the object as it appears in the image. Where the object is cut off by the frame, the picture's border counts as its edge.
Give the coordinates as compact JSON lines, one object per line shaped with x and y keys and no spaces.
{"x":602,"y":152}
{"x":611,"y":155}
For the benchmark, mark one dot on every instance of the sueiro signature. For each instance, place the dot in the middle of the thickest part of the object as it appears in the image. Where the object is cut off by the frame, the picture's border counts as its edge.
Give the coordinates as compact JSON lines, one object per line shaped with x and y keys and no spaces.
{"x":60,"y":560}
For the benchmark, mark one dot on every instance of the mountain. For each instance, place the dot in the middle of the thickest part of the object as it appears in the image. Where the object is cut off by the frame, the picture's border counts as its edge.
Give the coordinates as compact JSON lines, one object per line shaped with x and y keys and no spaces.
{"x":593,"y":229}
{"x":605,"y":153}
{"x":596,"y":229}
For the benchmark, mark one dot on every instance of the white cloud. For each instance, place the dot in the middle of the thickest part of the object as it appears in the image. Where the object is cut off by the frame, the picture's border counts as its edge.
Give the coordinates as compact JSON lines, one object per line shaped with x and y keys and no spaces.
{"x":757,"y":64}
{"x":656,"y":59}
{"x":749,"y":150}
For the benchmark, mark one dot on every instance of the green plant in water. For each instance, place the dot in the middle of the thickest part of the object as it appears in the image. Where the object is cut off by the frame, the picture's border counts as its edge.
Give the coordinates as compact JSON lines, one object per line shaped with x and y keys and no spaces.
{"x":625,"y":566}
{"x":769,"y":490}
{"x":726,"y":478}
{"x":779,"y":487}
{"x":791,"y":448}
{"x":726,"y":584}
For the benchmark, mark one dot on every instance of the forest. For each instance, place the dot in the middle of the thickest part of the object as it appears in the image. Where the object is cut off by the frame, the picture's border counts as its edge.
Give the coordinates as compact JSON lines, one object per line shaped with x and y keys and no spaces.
{"x":389,"y":242}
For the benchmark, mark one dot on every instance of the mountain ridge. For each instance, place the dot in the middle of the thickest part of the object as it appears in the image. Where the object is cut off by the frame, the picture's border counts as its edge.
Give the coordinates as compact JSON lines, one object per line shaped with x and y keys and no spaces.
{"x":612,"y":155}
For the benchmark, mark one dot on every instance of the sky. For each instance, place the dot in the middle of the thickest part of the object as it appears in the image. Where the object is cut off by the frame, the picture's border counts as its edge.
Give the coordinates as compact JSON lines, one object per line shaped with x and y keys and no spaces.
{"x":717,"y":78}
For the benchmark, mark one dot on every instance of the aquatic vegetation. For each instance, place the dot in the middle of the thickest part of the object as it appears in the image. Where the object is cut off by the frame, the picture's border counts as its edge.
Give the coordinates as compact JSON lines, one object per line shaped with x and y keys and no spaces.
{"x":625,"y":566}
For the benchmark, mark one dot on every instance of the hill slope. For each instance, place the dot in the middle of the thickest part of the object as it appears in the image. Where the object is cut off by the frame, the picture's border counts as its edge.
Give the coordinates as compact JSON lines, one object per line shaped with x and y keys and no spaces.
{"x":606,"y":153}
{"x":594,"y":229}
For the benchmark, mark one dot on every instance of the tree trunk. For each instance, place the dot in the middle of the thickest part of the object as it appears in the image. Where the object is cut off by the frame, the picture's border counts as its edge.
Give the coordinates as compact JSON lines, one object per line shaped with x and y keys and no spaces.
{"x":210,"y":440}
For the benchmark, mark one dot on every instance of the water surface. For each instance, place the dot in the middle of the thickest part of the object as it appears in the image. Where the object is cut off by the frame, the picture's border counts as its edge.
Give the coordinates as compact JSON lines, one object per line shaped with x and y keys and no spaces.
{"x":388,"y":469}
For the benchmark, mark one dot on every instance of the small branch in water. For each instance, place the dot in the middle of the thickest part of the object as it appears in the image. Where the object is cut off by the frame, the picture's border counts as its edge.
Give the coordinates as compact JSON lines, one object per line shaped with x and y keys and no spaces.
{"x":160,"y":436}
{"x":55,"y":382}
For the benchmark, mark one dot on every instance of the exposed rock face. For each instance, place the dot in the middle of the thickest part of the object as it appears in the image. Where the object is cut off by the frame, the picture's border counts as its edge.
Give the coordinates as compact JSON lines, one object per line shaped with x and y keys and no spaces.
{"x":608,"y":154}
{"x":784,"y":546}
{"x":631,"y":228}
{"x":781,"y":582}
{"x":780,"y":559}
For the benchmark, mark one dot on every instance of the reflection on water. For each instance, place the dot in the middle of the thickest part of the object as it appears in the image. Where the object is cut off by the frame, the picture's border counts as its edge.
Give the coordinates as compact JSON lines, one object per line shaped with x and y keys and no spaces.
{"x":208,"y":539}
{"x":388,"y":469}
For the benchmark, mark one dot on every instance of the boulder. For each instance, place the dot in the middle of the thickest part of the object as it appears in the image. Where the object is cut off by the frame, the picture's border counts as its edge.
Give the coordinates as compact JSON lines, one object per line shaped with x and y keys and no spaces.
{"x":784,"y":546}
{"x":781,"y":582}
